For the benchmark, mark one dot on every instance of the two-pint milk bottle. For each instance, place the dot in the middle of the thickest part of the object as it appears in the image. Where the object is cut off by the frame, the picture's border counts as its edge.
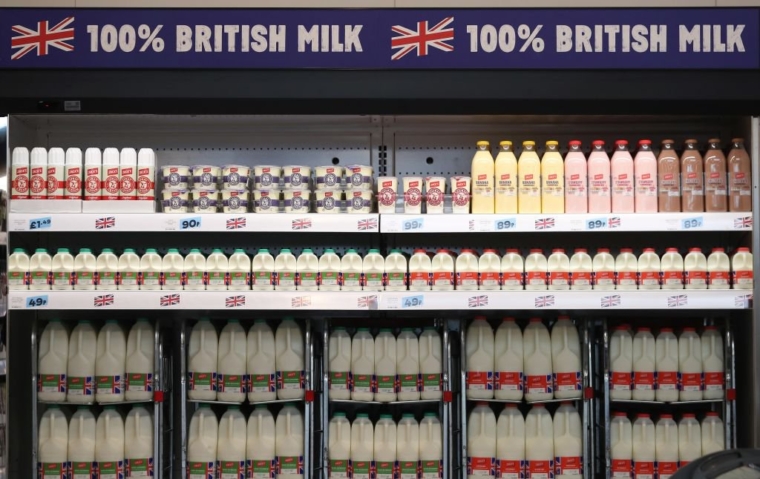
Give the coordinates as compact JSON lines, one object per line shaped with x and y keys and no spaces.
{"x":695,"y":269}
{"x":82,"y":444}
{"x":194,"y":267}
{"x":150,"y":270}
{"x":529,"y":176}
{"x":712,"y":361}
{"x":431,"y":447}
{"x":627,"y":270}
{"x":110,"y":363}
{"x":40,"y":270}
{"x":672,"y":269}
{"x":385,"y":366}
{"x":140,"y":362}
{"x":559,"y":270}
{"x":172,"y":270}
{"x":240,"y":271}
{"x":604,"y":270}
{"x":231,"y":378}
{"x":568,"y":443}
{"x":408,"y":365}
{"x":644,"y":367}
{"x":129,"y":271}
{"x":713,"y":434}
{"x":566,"y":359}
{"x":643,"y":450}
{"x":420,"y":271}
{"x":466,"y":268}
{"x":552,"y":180}
{"x":481,"y":442}
{"x":621,"y":446}
{"x":508,"y":361}
{"x":482,"y":172}
{"x":63,"y":270}
{"x":262,"y":374}
{"x":362,"y":365}
{"x":339,"y":368}
{"x":53,"y":359}
{"x":741,"y":266}
{"x":18,"y":270}
{"x":109,"y":442}
{"x":351,"y":267}
{"x":666,"y":364}
{"x":329,"y":271}
{"x":718,"y":269}
{"x":339,"y":449}
{"x":621,"y":363}
{"x":489,"y":270}
{"x":690,"y":372}
{"x":480,"y":359}
{"x":537,"y":361}
{"x":83,"y":344}
{"x":539,"y":443}
{"x":231,"y":445}
{"x":510,"y":443}
{"x":262,"y":268}
{"x":52,"y":444}
{"x":260,"y":443}
{"x":307,"y":268}
{"x":289,"y":360}
{"x":408,"y":447}
{"x":536,"y":271}
{"x":505,"y":171}
{"x":203,"y":436}
{"x":201,"y":364}
{"x":217,"y":271}
{"x":431,"y":364}
{"x":85,"y":268}
{"x":138,"y":443}
{"x":576,"y":179}
{"x":362,"y":447}
{"x":107,"y":269}
{"x":581,"y":270}
{"x":395,"y":271}
{"x":442,"y":267}
{"x":689,"y":439}
{"x":512,"y":271}
{"x":385,"y":447}
{"x":666,"y":446}
{"x":373,"y":269}
{"x":649,"y":270}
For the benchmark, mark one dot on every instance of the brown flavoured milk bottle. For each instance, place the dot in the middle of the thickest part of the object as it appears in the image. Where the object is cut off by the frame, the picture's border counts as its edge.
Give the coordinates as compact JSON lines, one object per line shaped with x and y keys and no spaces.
{"x":739,"y":178}
{"x":692,"y":179}
{"x":716,"y":185}
{"x":669,"y":179}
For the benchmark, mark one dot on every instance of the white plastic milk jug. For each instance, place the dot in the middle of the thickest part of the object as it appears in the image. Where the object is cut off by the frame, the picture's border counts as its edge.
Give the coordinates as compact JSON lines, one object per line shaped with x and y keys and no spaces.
{"x":420,"y":271}
{"x":566,"y":359}
{"x":307,"y":267}
{"x":408,"y":365}
{"x":140,"y":362}
{"x":289,"y":360}
{"x":649,"y":270}
{"x":559,"y":270}
{"x":627,"y":270}
{"x":713,"y":434}
{"x":537,"y":361}
{"x":85,"y":267}
{"x":63,"y":270}
{"x":481,"y":442}
{"x":201,"y":364}
{"x":510,"y":443}
{"x":395,"y":271}
{"x":172,"y":268}
{"x":408,"y":443}
{"x":568,"y":443}
{"x":261,"y":369}
{"x":480,"y":359}
{"x":695,"y":269}
{"x":362,"y":365}
{"x":82,"y":444}
{"x":466,"y":268}
{"x":18,"y":270}
{"x":690,"y":372}
{"x":231,"y":378}
{"x":107,"y":267}
{"x":129,"y":271}
{"x":385,"y":366}
{"x":643,"y":450}
{"x":373,"y":269}
{"x":672,"y":269}
{"x":604,"y":270}
{"x":40,"y":270}
{"x":260,"y":444}
{"x":240,"y":271}
{"x":442,"y":267}
{"x":431,"y":364}
{"x":231,"y":445}
{"x":536,"y":271}
{"x":351,"y":267}
{"x":512,"y":271}
{"x":289,"y":445}
{"x":150,"y":270}
{"x":385,"y":447}
{"x":581,"y":270}
{"x":262,"y":268}
{"x":52,"y":444}
{"x":666,"y":446}
{"x":713,"y":363}
{"x":340,"y":364}
{"x":80,"y":379}
{"x":644,"y":358}
{"x":110,"y":363}
{"x":431,"y":447}
{"x":217,"y":271}
{"x":339,"y":449}
{"x":718,"y":269}
{"x":666,"y":365}
{"x":539,"y":443}
{"x":489,"y":270}
{"x":138,"y":443}
{"x":109,"y":443}
{"x":362,"y":447}
{"x":329,"y":271}
{"x":689,"y":440}
{"x":53,"y":359}
{"x":741,"y":266}
{"x":621,"y":363}
{"x":621,"y":446}
{"x":508,"y":361}
{"x":203,"y":435}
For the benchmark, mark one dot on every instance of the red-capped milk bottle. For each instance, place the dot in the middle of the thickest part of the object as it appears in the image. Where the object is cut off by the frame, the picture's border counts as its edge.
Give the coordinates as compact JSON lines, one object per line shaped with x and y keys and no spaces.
{"x":649,"y":270}
{"x":644,"y":367}
{"x":695,"y":269}
{"x":690,"y":372}
{"x":666,"y":446}
{"x":408,"y":365}
{"x":539,"y":444}
{"x":666,"y":365}
{"x":512,"y":271}
{"x":627,"y":270}
{"x":480,"y":359}
{"x":741,"y":267}
{"x":621,"y":363}
{"x":362,"y":447}
{"x":689,"y":440}
{"x":466,"y":268}
{"x":718,"y":269}
{"x":489,"y":270}
{"x":672,"y":269}
{"x":362,"y":365}
{"x":510,"y":443}
{"x":621,"y":446}
{"x":420,"y":271}
{"x":481,"y":442}
{"x":712,"y":362}
{"x":568,"y":443}
{"x":581,"y":270}
{"x":431,"y":364}
{"x":713,"y":435}
{"x":603,"y":267}
{"x":643,"y":450}
{"x":260,"y":363}
{"x":566,"y":359}
{"x":559,"y":270}
{"x":339,"y":367}
{"x":386,"y":366}
{"x":537,"y":361}
{"x":443,"y":271}
{"x":508,"y":375}
{"x":385,"y":447}
{"x":536,"y":271}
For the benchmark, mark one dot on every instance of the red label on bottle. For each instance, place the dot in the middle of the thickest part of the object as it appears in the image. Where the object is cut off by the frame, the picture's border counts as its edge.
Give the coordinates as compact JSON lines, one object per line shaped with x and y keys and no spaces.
{"x":605,"y":277}
{"x":626,"y":278}
{"x":643,"y":380}
{"x":742,"y":276}
{"x":512,"y":278}
{"x":620,"y":381}
{"x":508,"y":381}
{"x":480,"y":380}
{"x":696,"y":277}
{"x":538,"y":384}
{"x":581,"y":278}
{"x":443,"y":277}
{"x":672,"y":277}
{"x":418,"y":277}
{"x":467,"y":277}
{"x":567,"y":381}
{"x":568,"y":465}
{"x":666,"y":469}
{"x":559,"y":278}
{"x":509,"y":469}
{"x":643,"y":470}
{"x":481,"y":466}
{"x":536,"y":277}
{"x":489,"y":278}
{"x":718,"y":277}
{"x":691,"y":382}
{"x":649,"y":277}
{"x":540,"y":470}
{"x":667,"y":380}
{"x":621,"y":468}
{"x":714,"y":381}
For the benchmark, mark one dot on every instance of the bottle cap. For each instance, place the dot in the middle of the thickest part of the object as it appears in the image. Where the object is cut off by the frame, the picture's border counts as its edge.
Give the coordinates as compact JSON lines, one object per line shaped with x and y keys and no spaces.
{"x":671,"y":250}
{"x":580,"y":250}
{"x":666,"y":330}
{"x":643,"y":415}
{"x":173,"y":250}
{"x":529,"y":143}
{"x":362,"y":415}
{"x":666,"y":416}
{"x":19,"y":250}
{"x":263,"y":250}
{"x":598,"y":142}
{"x":695,"y":250}
{"x":645,"y":142}
{"x":239,"y":250}
{"x":129,"y":250}
{"x":422,"y":251}
{"x":621,"y":142}
{"x":552,"y":143}
{"x":362,"y":330}
{"x":711,"y":414}
{"x":688,"y":414}
{"x":513,"y":250}
{"x":63,"y":250}
{"x":467,"y":251}
{"x":718,"y":250}
{"x":603,"y":250}
{"x":481,"y":403}
{"x":558,"y":250}
{"x":483,"y":144}
{"x":282,"y":251}
{"x":431,"y":414}
{"x":711,"y":328}
{"x":509,"y":320}
{"x":626,"y":250}
{"x":535,"y":320}
{"x":575,"y":143}
{"x":619,"y":414}
{"x":505,"y":143}
{"x":490,"y":251}
{"x":339,"y":414}
{"x":386,"y":416}
{"x":407,"y":415}
{"x":643,"y":330}
{"x":689,"y":330}
{"x":85,"y":250}
{"x":742,"y":250}
{"x":536,"y":251}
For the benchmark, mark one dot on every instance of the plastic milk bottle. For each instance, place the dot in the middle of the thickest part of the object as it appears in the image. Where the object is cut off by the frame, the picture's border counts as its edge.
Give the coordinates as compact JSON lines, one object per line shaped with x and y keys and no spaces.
{"x":260,"y":443}
{"x":537,"y":361}
{"x":362,"y":447}
{"x":621,"y":446}
{"x":85,"y":266}
{"x":690,"y":370}
{"x":385,"y":366}
{"x":489,"y":270}
{"x":395,"y":271}
{"x":559,"y":270}
{"x":351,"y":266}
{"x":508,"y":374}
{"x":107,"y":268}
{"x":695,"y":269}
{"x":604,"y":270}
{"x":408,"y":447}
{"x":568,"y":443}
{"x":80,"y":379}
{"x":627,"y":268}
{"x":666,"y":364}
{"x":672,"y":269}
{"x":510,"y":443}
{"x":741,"y":265}
{"x":712,"y":361}
{"x":480,"y":359}
{"x":536,"y":271}
{"x":53,"y":359}
{"x":666,"y":446}
{"x":195,"y":271}
{"x":408,"y":365}
{"x":481,"y":442}
{"x":231,"y":379}
{"x":443,"y":271}
{"x":231,"y":445}
{"x":420,"y":271}
{"x":63,"y":270}
{"x":566,"y":359}
{"x":329,"y":271}
{"x":713,"y":435}
{"x":202,"y":361}
{"x":129,"y":271}
{"x":385,"y":447}
{"x":202,"y":442}
{"x":431,"y":447}
{"x":643,"y":450}
{"x":263,"y":271}
{"x":431,"y":364}
{"x":649,"y":270}
{"x":339,"y":449}
{"x":539,"y":443}
{"x":150,"y":270}
{"x":140,"y":362}
{"x":109,"y":443}
{"x":138,"y":442}
{"x":689,"y":440}
{"x":289,"y":360}
{"x":52,"y":444}
{"x":581,"y":270}
{"x":621,"y":363}
{"x":240,"y":271}
{"x":260,"y":367}
{"x":644,"y":359}
{"x":718,"y":270}
{"x":466,"y":268}
{"x":339,"y":367}
{"x":373,"y":269}
{"x":217,"y":270}
{"x":82,"y":443}
{"x":173,"y":268}
{"x":110,"y":363}
{"x":18,"y":270}
{"x":362,"y":365}
{"x":307,"y":267}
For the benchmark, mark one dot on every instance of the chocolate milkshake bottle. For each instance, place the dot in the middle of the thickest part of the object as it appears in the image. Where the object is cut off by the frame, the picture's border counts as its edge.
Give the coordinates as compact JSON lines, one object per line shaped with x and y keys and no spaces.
{"x":669,"y":179}
{"x":739,"y":178}
{"x":716,"y":186}
{"x":692,"y":179}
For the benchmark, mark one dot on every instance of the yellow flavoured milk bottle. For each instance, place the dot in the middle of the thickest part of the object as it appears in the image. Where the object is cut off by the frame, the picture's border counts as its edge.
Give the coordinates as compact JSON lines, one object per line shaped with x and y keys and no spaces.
{"x":506,"y":179}
{"x":482,"y":179}
{"x":529,"y":177}
{"x":552,"y":180}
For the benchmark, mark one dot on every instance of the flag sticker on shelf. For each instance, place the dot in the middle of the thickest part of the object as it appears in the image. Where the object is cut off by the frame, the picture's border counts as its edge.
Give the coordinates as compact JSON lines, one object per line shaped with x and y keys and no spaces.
{"x":743,"y":301}
{"x":301,"y":224}
{"x":234,"y":301}
{"x":742,"y":223}
{"x":544,"y":223}
{"x":369,"y":302}
{"x":611,"y":301}
{"x":105,"y":223}
{"x":236,"y":223}
{"x":677,"y":301}
{"x":477,"y":301}
{"x":169,"y":300}
{"x":614,"y":222}
{"x":104,"y":300}
{"x":368,"y":224}
{"x":300,"y":302}
{"x":544,"y":301}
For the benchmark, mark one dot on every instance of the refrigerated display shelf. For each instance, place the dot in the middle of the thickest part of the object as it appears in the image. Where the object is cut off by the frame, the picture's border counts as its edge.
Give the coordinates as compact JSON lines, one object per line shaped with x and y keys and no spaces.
{"x":94,"y":403}
{"x":234,"y":403}
{"x":390,"y":403}
{"x":522,"y":401}
{"x":665,"y":403}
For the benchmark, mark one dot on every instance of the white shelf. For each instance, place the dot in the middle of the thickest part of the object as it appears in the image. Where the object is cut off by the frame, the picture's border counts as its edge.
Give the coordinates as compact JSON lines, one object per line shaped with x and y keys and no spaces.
{"x":386,"y":301}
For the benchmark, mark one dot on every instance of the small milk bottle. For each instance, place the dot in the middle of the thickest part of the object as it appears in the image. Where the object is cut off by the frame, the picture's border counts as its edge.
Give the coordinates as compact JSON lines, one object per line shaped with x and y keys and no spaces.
{"x":395,"y":271}
{"x":38,"y":180}
{"x":512,"y":271}
{"x":431,"y":447}
{"x":217,"y":271}
{"x":339,"y":449}
{"x":689,"y":440}
{"x":109,"y":443}
{"x":568,"y":443}
{"x":203,"y":436}
{"x":129,"y":271}
{"x":138,"y":442}
{"x":351,"y":266}
{"x":529,"y":180}
{"x":85,"y":267}
{"x":666,"y":446}
{"x":466,"y":268}
{"x":362,"y":447}
{"x":539,"y":443}
{"x":386,"y":364}
{"x":649,"y":269}
{"x":408,"y":365}
{"x":713,"y":363}
{"x":20,"y":173}
{"x":672,"y":269}
{"x":713,"y":436}
{"x":643,"y":450}
{"x":18,"y":270}
{"x":373,"y":269}
{"x":93,"y":174}
{"x":53,"y":357}
{"x":576,"y":180}
{"x":599,"y":179}
{"x":510,"y":443}
{"x":72,"y":174}
{"x":262,"y":268}
{"x":82,"y":444}
{"x":552,"y":180}
{"x":140,"y":362}
{"x":489,"y":270}
{"x":385,"y":447}
{"x":240,"y":271}
{"x":431,"y":364}
{"x":442,"y":268}
{"x":80,"y":377}
{"x":690,"y":370}
{"x":362,"y":365}
{"x":603,"y":267}
{"x":645,"y":178}
{"x":110,"y":174}
{"x":482,"y":179}
{"x":146,"y":174}
{"x":52,"y":444}
{"x":581,"y":270}
{"x":559,"y":270}
{"x":621,"y":446}
{"x":128,"y":174}
{"x":231,"y":378}
{"x":480,"y":359}
{"x":172,"y":268}
{"x":481,"y":442}
{"x":63,"y":270}
{"x":420,"y":271}
{"x":508,"y":361}
{"x":666,"y":366}
{"x":289,"y":360}
{"x":329,"y":271}
{"x":537,"y":361}
{"x":107,"y":269}
{"x":289,"y":445}
{"x":741,"y":266}
{"x":339,"y":366}
{"x":260,"y":363}
{"x":621,"y":363}
{"x":566,"y":359}
{"x":536,"y":271}
{"x":202,"y":355}
{"x":231,"y":445}
{"x":506,"y":179}
{"x":195,"y":271}
{"x":408,"y":447}
{"x":644,"y":367}
{"x":718,"y":269}
{"x":307,"y":268}
{"x":695,"y":269}
{"x":150,"y":270}
{"x":622,"y":178}
{"x":110,"y":363}
{"x":627,"y":270}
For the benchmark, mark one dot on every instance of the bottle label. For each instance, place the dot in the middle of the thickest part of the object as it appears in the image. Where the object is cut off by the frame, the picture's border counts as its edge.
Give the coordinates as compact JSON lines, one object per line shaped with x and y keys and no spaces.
{"x":128,"y":278}
{"x":362,"y":383}
{"x":743,"y":277}
{"x":690,"y":381}
{"x":718,"y":278}
{"x":714,"y":381}
{"x":696,"y":277}
{"x":621,"y":381}
{"x":231,"y":383}
{"x":409,"y":383}
{"x":53,"y":470}
{"x":84,"y":277}
{"x":624,"y":185}
{"x":467,"y":278}
{"x":408,"y":469}
{"x":649,"y":278}
{"x":643,"y":470}
{"x":535,"y":278}
{"x":260,"y":468}
{"x":329,"y":278}
{"x":362,"y":469}
{"x":262,"y":278}
{"x":607,"y":278}
{"x":643,"y":380}
{"x":18,"y":278}
{"x":599,"y":186}
{"x":396,"y":279}
{"x":385,"y":470}
{"x":672,"y":277}
{"x":508,"y":381}
{"x":195,"y":278}
{"x":340,"y":381}
{"x":431,"y":382}
{"x":217,"y":278}
{"x":538,"y":384}
{"x":107,"y":278}
{"x":109,"y":385}
{"x":481,"y":466}
{"x":540,"y":469}
{"x":262,"y":383}
{"x":508,"y":191}
{"x":431,"y":469}
{"x":576,"y":185}
{"x":230,"y":469}
{"x":140,"y":382}
{"x":480,"y":380}
{"x":567,"y":381}
{"x":420,"y":279}
{"x":86,"y":470}
{"x":110,"y":469}
{"x":51,"y":383}
{"x":201,"y":381}
{"x":151,"y":278}
{"x":490,"y":279}
{"x":142,"y":467}
{"x":513,"y":279}
{"x":581,"y":278}
{"x":339,"y":469}
{"x":63,"y":277}
{"x":386,"y":384}
{"x":39,"y":184}
{"x":80,"y":386}
{"x":570,"y":465}
{"x":510,"y":469}
{"x":173,"y":279}
{"x":289,"y":465}
{"x":292,"y":380}
{"x":352,"y":279}
{"x":443,"y":278}
{"x":242,"y":279}
{"x":621,"y":468}
{"x":666,"y":380}
{"x":373,"y":280}
{"x":201,"y":470}
{"x":645,"y":185}
{"x":666,"y":469}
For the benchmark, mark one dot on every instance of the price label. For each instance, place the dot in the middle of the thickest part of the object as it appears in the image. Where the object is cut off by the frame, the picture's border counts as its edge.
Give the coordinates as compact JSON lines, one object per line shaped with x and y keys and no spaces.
{"x":37,"y":301}
{"x":692,"y":223}
{"x":504,"y":224}
{"x":596,"y":224}
{"x":190,"y":223}
{"x":412,"y":301}
{"x":40,"y":223}
{"x":412,"y":224}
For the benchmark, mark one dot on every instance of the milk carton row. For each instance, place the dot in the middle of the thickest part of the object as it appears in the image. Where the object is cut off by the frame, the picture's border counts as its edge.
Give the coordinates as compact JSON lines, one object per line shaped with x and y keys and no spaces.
{"x":387,"y":450}
{"x":668,"y":368}
{"x":648,"y":450}
{"x":229,"y":447}
{"x":430,"y":192}
{"x":86,"y":448}
{"x":385,"y":368}
{"x":260,"y":364}
{"x":535,"y":446}
{"x":514,"y":364}
{"x":105,"y":366}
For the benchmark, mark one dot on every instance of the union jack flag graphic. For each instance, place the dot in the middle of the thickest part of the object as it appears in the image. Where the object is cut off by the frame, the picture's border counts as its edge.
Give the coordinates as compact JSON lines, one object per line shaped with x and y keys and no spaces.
{"x":471,"y":225}
{"x":614,"y":222}
{"x":677,"y":301}
{"x":236,"y":223}
{"x":367,"y":224}
{"x":421,"y":39}
{"x":170,"y":300}
{"x":611,"y":301}
{"x":27,"y":40}
{"x":742,"y":223}
{"x":105,"y":300}
{"x":544,"y":301}
{"x":105,"y":223}
{"x":234,"y":301}
{"x":544,"y":223}
{"x":743,"y":301}
{"x":366,"y":301}
{"x":300,"y":302}
{"x":478,"y":301}
{"x":142,"y":466}
{"x":480,"y":465}
{"x":301,"y":224}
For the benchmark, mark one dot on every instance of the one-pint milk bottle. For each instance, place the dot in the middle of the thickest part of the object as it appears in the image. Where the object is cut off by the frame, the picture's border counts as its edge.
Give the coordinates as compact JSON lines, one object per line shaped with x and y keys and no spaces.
{"x":644,"y":358}
{"x":566,"y":359}
{"x":689,"y":440}
{"x":559,"y":270}
{"x":713,"y":435}
{"x":408,"y":447}
{"x":307,"y":267}
{"x":539,"y":443}
{"x":666,"y":365}
{"x":72,"y":174}
{"x":373,"y":269}
{"x":340,"y":364}
{"x":195,"y":271}
{"x":289,"y":445}
{"x":649,"y":270}
{"x":231,"y":378}
{"x":85,"y":267}
{"x":385,"y":447}
{"x":510,"y":443}
{"x":110,"y":363}
{"x":552,"y":180}
{"x":261,"y":370}
{"x":201,"y":363}
{"x":442,"y":268}
{"x":627,"y":270}
{"x":107,"y":269}
{"x":741,"y":266}
{"x":695,"y":269}
{"x":386,"y":372}
{"x":431,"y":365}
{"x":599,"y":179}
{"x":128,"y":174}
{"x":351,"y":266}
{"x":362,"y":365}
{"x":604,"y":270}
{"x":666,"y":446}
{"x":621,"y":363}
{"x":672,"y":269}
{"x":18,"y":270}
{"x":289,"y":360}
{"x":621,"y":446}
{"x":690,"y":370}
{"x":52,"y":362}
{"x":138,"y":443}
{"x":260,"y":444}
{"x":217,"y":271}
{"x":645,"y":173}
{"x":80,"y":379}
{"x":329,"y":271}
{"x":110,"y":174}
{"x":146,"y":174}
{"x":20,"y":173}
{"x":576,"y":180}
{"x":466,"y":268}
{"x":109,"y":443}
{"x":40,"y":270}
{"x":622,"y":178}
{"x":231,"y":445}
{"x":82,"y":444}
{"x":172,"y":268}
{"x":512,"y":271}
{"x":129,"y":271}
{"x":718,"y":269}
{"x":568,"y":443}
{"x":643,"y":450}
{"x":63,"y":270}
{"x":240,"y":271}
{"x":505,"y":171}
{"x":537,"y":361}
{"x":480,"y":359}
{"x":38,"y":179}
{"x":581,"y":270}
{"x":362,"y":447}
{"x":140,"y":362}
{"x":52,"y":444}
{"x":262,"y":268}
{"x":431,"y":447}
{"x":150,"y":270}
{"x":536,"y":271}
{"x":420,"y":271}
{"x":712,"y":361}
{"x":481,"y":442}
{"x":203,"y":435}
{"x":339,"y":449}
{"x":489,"y":270}
{"x":529,"y":180}
{"x":483,"y":179}
{"x":395,"y":271}
{"x":508,"y":362}
{"x":408,"y":365}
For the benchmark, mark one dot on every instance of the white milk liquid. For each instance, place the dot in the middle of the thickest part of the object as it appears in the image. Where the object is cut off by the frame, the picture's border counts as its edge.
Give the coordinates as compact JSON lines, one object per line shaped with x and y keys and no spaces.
{"x":260,"y":444}
{"x":689,"y":440}
{"x":80,"y":379}
{"x":53,"y":358}
{"x":489,"y":271}
{"x":508,"y":361}
{"x":82,"y":444}
{"x":466,"y":268}
{"x":129,"y":271}
{"x":539,"y":443}
{"x":261,"y":368}
{"x":481,"y":442}
{"x":581,"y":270}
{"x":107,"y":267}
{"x":480,"y":359}
{"x":512,"y":271}
{"x":621,"y":446}
{"x":202,"y":361}
{"x":566,"y":359}
{"x":621,"y":363}
{"x":568,"y":443}
{"x":604,"y":270}
{"x":289,"y":444}
{"x":626,"y":270}
{"x":138,"y":442}
{"x":172,"y":267}
{"x":385,"y":366}
{"x":385,"y":447}
{"x":431,"y":365}
{"x":240,"y":271}
{"x":339,"y":449}
{"x":150,"y":269}
{"x":362,"y":447}
{"x":713,"y":434}
{"x":644,"y":358}
{"x":231,"y":378}
{"x":510,"y":443}
{"x":109,"y":444}
{"x":431,"y":447}
{"x":442,"y":269}
{"x":373,"y":269}
{"x":63,"y":270}
{"x":231,"y":445}
{"x":395,"y":271}
{"x":262,"y":268}
{"x":536,"y":271}
{"x":195,"y":271}
{"x":52,"y":444}
{"x":18,"y":270}
{"x":340,"y":364}
{"x":695,"y":269}
{"x":713,"y":362}
{"x":666,"y":446}
{"x":289,"y":360}
{"x":140,"y":362}
{"x":408,"y":440}
{"x":85,"y":266}
{"x":203,"y":435}
{"x":718,"y":269}
{"x":666,"y":364}
{"x":307,"y":267}
{"x":559,"y":270}
{"x":351,"y":267}
{"x":217,"y":271}
{"x":643,"y":450}
{"x":690,"y":372}
{"x":110,"y":363}
{"x":420,"y":271}
{"x":329,"y":271}
{"x":408,"y":365}
{"x":362,"y":365}
{"x":537,"y":361}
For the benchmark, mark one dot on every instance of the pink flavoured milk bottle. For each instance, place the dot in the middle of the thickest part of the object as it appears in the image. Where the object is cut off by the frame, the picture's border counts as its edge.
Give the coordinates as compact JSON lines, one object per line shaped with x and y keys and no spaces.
{"x":576,"y":180}
{"x":621,"y":165}
{"x":645,"y":174}
{"x":599,"y":179}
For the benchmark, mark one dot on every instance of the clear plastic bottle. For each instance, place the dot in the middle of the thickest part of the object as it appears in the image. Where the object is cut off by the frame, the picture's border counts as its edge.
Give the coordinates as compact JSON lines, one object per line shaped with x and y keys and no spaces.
{"x":140,"y":362}
{"x":63,"y":270}
{"x":329,"y":271}
{"x":80,"y":376}
{"x":431,"y":364}
{"x":666,"y":446}
{"x":52,"y":361}
{"x":231,"y":379}
{"x":217,"y":270}
{"x":195,"y":271}
{"x":129,"y":271}
{"x":644,"y":449}
{"x":262,"y":268}
{"x":621,"y":446}
{"x":690,"y":366}
{"x":110,"y":363}
{"x":537,"y":361}
{"x":240,"y":271}
{"x":289,"y":360}
{"x":566,"y":359}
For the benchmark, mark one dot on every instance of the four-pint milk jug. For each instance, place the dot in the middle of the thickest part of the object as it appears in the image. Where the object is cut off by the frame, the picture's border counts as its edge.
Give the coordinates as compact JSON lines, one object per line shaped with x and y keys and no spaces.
{"x":260,"y":444}
{"x":566,"y":359}
{"x":689,"y":439}
{"x":231,"y":379}
{"x":385,"y":447}
{"x":82,"y":443}
{"x":568,"y":443}
{"x":666,"y":364}
{"x":408,"y":447}
{"x":231,"y":445}
{"x":510,"y":443}
{"x":690,"y":366}
{"x":109,"y":443}
{"x":53,"y":358}
{"x":480,"y":359}
{"x":262,"y":374}
{"x":201,"y":363}
{"x":362,"y":447}
{"x":508,"y":361}
{"x":289,"y":360}
{"x":110,"y":363}
{"x":362,"y":365}
{"x":408,"y":365}
{"x":339,"y":449}
{"x":339,"y":367}
{"x":621,"y":446}
{"x":537,"y":361}
{"x":713,"y":434}
{"x":431,"y":447}
{"x":712,"y":361}
{"x":385,"y":366}
{"x":140,"y":362}
{"x":203,"y":435}
{"x":621,"y":363}
{"x":80,"y":380}
{"x":52,"y":444}
{"x":431,"y":365}
{"x":666,"y":446}
{"x":644,"y":358}
{"x":138,"y":442}
{"x":481,"y":442}
{"x":643,"y":450}
{"x":539,"y":443}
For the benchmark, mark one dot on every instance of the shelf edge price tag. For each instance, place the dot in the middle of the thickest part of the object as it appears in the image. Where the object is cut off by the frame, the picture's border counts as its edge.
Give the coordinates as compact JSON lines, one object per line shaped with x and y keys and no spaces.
{"x":412,"y":301}
{"x":40,"y":223}
{"x":596,"y":224}
{"x":190,"y":223}
{"x":504,"y":224}
{"x":692,"y":223}
{"x":37,"y":301}
{"x":412,"y":224}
